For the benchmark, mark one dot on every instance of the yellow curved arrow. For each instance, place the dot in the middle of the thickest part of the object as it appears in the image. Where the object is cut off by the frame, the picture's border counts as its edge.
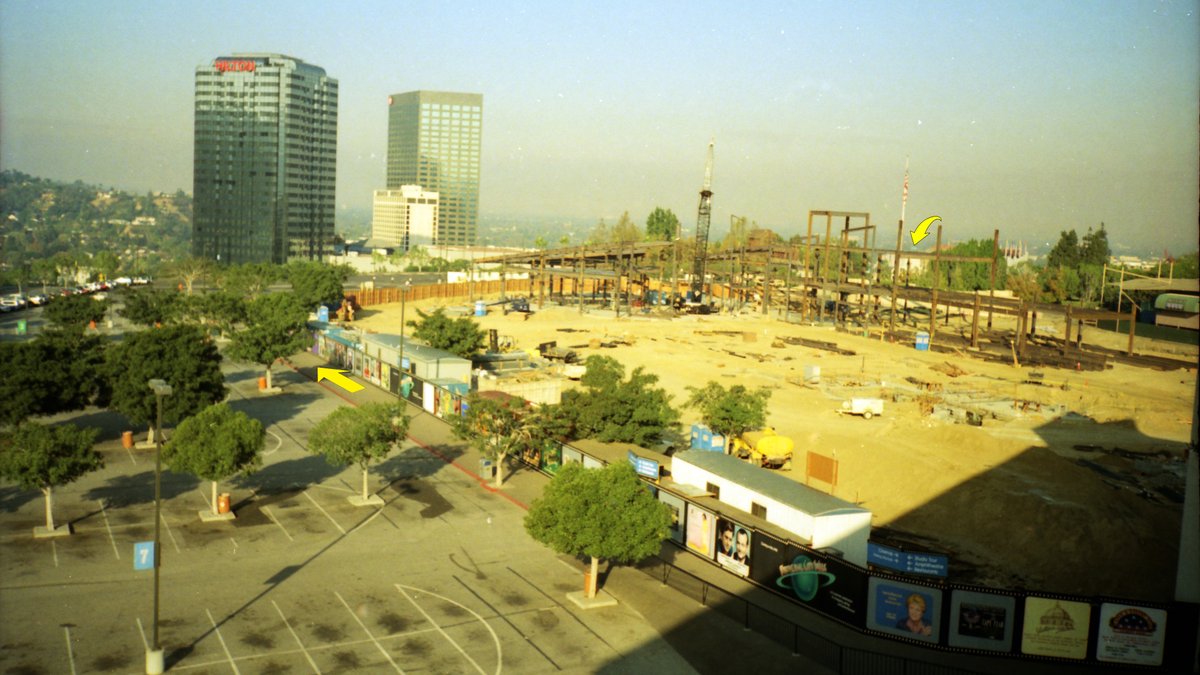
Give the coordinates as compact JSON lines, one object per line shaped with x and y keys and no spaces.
{"x":335,"y":376}
{"x":922,"y":230}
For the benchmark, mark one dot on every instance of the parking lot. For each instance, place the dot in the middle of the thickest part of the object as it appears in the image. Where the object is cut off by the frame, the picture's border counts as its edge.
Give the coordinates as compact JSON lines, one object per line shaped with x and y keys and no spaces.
{"x":441,"y":578}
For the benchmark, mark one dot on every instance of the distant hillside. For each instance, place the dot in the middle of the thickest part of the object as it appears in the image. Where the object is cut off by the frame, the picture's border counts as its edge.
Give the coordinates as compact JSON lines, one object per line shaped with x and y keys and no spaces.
{"x":78,"y":225}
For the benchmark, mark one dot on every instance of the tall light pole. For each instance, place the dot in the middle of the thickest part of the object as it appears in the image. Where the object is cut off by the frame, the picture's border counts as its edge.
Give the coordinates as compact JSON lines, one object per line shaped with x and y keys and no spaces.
{"x":154,"y":657}
{"x":403,"y":303}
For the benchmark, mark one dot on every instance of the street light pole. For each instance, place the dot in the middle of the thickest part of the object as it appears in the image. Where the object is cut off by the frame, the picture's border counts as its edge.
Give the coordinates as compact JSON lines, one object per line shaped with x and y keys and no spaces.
{"x":154,"y":657}
{"x":403,"y":303}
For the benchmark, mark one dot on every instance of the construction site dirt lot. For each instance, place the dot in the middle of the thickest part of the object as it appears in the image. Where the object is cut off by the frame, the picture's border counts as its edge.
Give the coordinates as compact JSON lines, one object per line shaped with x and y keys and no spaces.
{"x":1073,"y":483}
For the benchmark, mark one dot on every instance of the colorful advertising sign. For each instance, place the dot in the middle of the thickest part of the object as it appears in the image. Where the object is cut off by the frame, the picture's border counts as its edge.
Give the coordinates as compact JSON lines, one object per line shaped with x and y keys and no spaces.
{"x":733,"y":546}
{"x":902,"y":609}
{"x":701,"y":530}
{"x":1131,"y":634}
{"x":1055,"y":628}
{"x":643,"y":467}
{"x":676,"y":505}
{"x":825,"y":583}
{"x":981,"y":620}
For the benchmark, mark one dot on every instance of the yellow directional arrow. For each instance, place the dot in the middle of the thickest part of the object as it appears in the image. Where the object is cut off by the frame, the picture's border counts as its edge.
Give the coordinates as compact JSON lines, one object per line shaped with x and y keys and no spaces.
{"x":922,"y":230}
{"x":335,"y":376}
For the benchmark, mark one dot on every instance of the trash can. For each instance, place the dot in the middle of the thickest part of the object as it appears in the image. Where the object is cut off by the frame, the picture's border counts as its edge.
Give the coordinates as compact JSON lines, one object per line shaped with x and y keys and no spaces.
{"x":922,"y":344}
{"x":127,"y":439}
{"x":487,"y":468}
{"x":262,"y":383}
{"x":480,"y":308}
{"x":223,"y":503}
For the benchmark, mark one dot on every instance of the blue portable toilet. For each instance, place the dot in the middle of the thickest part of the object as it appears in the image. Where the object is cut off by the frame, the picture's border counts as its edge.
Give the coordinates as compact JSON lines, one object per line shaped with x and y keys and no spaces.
{"x":480,"y":308}
{"x":922,"y":344}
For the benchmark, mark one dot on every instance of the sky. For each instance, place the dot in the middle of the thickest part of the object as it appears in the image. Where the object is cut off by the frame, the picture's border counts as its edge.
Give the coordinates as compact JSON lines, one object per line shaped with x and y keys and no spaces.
{"x":1027,"y":117}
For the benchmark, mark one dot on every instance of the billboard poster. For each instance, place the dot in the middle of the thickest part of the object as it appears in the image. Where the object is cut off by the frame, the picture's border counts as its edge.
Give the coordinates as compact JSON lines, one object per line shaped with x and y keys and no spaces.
{"x":1055,"y":628}
{"x":981,"y":620}
{"x":676,"y":505}
{"x":701,"y":530}
{"x":733,"y":546}
{"x":824,"y":583}
{"x":905,"y":610}
{"x":1131,"y":634}
{"x":571,"y":455}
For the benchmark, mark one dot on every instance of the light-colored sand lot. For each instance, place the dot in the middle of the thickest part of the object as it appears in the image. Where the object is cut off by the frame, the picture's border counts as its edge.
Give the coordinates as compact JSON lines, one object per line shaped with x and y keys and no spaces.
{"x":1015,"y":502}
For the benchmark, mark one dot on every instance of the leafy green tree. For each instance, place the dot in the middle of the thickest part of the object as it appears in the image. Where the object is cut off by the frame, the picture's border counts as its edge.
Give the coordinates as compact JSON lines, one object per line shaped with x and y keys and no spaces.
{"x":105,"y":264}
{"x":152,"y":306}
{"x":599,"y":234}
{"x":1066,"y":252}
{"x":275,"y":328}
{"x":216,"y":444}
{"x":612,"y":409}
{"x":53,"y":373}
{"x":1024,"y":284}
{"x":182,"y":355}
{"x":1094,"y":248}
{"x":661,"y":225}
{"x":36,"y":456}
{"x":1061,"y":283}
{"x":315,"y":283}
{"x":602,"y":513}
{"x":221,"y":309}
{"x":542,"y":430}
{"x":250,"y":279}
{"x":359,"y":436}
{"x":417,"y":258}
{"x":461,"y":336}
{"x":1187,"y":266}
{"x":730,"y":412}
{"x":540,"y":243}
{"x":490,"y":426}
{"x":75,"y":312}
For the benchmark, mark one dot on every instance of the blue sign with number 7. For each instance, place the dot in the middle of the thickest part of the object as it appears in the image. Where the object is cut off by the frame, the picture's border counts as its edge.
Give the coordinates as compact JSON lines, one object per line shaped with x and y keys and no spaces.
{"x":143,"y":555}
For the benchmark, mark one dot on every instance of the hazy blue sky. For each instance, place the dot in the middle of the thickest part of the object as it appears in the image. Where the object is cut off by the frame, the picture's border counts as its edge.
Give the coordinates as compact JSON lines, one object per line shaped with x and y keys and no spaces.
{"x":1030,"y":117}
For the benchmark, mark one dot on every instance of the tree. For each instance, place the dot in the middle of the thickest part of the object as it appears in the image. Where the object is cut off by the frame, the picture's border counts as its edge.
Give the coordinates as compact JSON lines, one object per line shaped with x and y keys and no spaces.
{"x":315,"y":283}
{"x":215,"y":444}
{"x":53,"y":373}
{"x":418,"y":258}
{"x":461,"y":336}
{"x":221,"y":308}
{"x":611,"y":409}
{"x":359,"y":436}
{"x":540,"y":243}
{"x":182,"y":355}
{"x":1066,"y":252}
{"x":730,"y":412}
{"x":36,"y":456}
{"x":191,"y":270}
{"x":599,"y":233}
{"x":490,"y":426}
{"x":275,"y":328}
{"x":662,"y":225}
{"x":152,"y":306}
{"x":625,"y":230}
{"x":1061,"y":283}
{"x":75,"y":312}
{"x":1024,"y":284}
{"x":249,"y":280}
{"x":600,"y":513}
{"x":1094,"y":250}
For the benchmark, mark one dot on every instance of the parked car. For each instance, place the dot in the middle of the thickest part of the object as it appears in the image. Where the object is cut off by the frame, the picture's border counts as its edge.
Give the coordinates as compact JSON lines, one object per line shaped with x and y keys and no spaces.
{"x":37,"y":299}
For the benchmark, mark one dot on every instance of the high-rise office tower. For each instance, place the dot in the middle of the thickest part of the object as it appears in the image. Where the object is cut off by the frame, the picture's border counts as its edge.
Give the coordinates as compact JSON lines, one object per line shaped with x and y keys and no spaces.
{"x":406,"y":217}
{"x":265,"y":159}
{"x":433,"y":141}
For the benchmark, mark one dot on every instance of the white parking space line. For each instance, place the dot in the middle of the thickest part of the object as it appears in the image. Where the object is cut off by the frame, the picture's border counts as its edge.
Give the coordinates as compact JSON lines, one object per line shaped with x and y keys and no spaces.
{"x":335,"y":488}
{"x":169,"y":533}
{"x":142,"y":632}
{"x":234,"y":542}
{"x":109,"y":528}
{"x":335,"y":523}
{"x":70,"y":653}
{"x":54,"y":550}
{"x":232,"y":663}
{"x":205,"y":498}
{"x":131,"y":457}
{"x":297,"y":638}
{"x":267,"y":510}
{"x":278,"y":444}
{"x":359,"y":526}
{"x":368,"y":632}
{"x":446,"y":635}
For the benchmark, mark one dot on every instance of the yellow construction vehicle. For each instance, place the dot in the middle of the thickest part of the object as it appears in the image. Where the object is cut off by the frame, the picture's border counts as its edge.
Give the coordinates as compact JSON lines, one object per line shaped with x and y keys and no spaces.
{"x":764,"y":448}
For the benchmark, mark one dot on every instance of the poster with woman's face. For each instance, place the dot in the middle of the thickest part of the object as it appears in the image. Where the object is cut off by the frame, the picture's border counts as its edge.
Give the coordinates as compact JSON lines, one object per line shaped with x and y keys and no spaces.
{"x":676,"y":505}
{"x":902,"y":609}
{"x":701,"y":530}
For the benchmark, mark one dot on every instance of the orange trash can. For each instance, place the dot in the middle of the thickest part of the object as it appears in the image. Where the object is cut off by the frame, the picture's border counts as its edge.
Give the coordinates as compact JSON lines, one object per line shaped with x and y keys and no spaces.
{"x":223,"y":503}
{"x":262,"y":383}
{"x":127,"y":439}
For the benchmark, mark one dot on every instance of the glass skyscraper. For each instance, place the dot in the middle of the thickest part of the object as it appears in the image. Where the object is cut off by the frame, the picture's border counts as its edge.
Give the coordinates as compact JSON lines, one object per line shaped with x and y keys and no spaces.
{"x":434,"y":141}
{"x":265,"y":159}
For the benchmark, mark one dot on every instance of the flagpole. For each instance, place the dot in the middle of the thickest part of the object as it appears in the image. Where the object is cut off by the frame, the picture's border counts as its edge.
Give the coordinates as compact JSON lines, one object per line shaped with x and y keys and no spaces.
{"x":899,"y":242}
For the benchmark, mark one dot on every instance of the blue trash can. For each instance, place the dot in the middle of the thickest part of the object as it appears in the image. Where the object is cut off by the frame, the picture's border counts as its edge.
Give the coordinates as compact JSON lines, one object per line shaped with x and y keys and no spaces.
{"x":480,"y":308}
{"x":922,"y":344}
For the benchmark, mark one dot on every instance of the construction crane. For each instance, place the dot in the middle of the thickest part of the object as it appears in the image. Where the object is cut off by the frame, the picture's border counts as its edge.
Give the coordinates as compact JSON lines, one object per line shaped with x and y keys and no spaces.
{"x":703,"y":219}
